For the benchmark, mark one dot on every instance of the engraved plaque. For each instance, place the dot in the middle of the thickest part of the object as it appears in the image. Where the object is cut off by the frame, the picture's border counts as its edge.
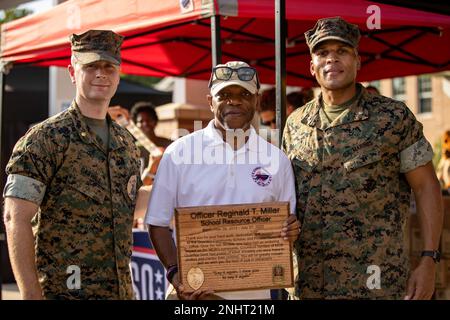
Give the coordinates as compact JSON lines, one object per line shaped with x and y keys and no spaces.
{"x":234,"y":247}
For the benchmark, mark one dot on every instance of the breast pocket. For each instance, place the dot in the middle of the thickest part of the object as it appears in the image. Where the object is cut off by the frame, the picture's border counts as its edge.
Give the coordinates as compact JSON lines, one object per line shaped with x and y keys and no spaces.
{"x":83,"y":196}
{"x":364,"y":172}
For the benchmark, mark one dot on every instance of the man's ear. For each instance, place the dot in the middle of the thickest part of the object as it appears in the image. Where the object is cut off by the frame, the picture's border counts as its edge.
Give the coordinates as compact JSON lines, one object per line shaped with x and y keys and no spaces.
{"x":209,"y":97}
{"x":258,"y":101}
{"x":311,"y":68}
{"x":71,"y":73}
{"x":358,"y":60}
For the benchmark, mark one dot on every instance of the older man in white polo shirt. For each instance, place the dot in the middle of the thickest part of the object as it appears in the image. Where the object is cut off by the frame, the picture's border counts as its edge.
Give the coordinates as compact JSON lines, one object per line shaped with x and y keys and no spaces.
{"x":225,"y":163}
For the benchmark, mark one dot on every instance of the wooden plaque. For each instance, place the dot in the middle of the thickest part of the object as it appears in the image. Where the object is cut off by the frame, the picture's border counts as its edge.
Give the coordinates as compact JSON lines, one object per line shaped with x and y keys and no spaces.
{"x":234,"y":247}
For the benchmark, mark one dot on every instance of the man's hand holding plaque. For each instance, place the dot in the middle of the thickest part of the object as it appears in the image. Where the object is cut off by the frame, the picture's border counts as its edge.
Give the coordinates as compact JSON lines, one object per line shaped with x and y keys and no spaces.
{"x":291,"y":228}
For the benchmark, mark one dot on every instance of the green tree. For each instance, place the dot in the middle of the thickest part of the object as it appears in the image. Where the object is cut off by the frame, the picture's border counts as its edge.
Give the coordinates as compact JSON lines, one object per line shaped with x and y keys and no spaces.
{"x":13,"y":14}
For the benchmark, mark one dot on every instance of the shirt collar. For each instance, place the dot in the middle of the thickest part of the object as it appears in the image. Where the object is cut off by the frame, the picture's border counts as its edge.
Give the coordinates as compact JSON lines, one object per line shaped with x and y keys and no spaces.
{"x":80,"y":124}
{"x":358,"y":110}
{"x":115,"y":138}
{"x":213,"y":138}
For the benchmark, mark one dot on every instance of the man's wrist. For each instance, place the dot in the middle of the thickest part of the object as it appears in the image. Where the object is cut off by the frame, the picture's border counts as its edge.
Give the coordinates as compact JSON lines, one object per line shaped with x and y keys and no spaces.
{"x":171,"y":271}
{"x":32,"y":295}
{"x":434,"y":255}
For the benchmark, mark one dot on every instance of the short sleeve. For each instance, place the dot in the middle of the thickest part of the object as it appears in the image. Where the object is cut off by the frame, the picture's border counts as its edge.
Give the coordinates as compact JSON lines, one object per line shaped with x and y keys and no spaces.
{"x":416,"y":155}
{"x":34,"y":157}
{"x":414,"y":148}
{"x":410,"y":130}
{"x":26,"y":188}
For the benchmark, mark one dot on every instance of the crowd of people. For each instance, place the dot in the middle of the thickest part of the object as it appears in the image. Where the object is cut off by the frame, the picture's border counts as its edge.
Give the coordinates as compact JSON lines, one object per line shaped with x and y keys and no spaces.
{"x":347,"y":164}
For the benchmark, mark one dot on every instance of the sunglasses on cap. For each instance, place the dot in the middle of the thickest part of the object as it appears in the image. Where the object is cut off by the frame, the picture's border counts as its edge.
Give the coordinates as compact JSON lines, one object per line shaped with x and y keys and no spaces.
{"x":244,"y":74}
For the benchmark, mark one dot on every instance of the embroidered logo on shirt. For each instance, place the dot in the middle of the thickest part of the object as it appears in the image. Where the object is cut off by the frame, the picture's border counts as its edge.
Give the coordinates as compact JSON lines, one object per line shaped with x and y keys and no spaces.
{"x":261,"y":176}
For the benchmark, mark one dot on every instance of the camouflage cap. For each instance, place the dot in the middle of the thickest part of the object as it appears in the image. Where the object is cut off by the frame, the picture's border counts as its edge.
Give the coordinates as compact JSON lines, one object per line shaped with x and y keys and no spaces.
{"x":333,"y":29}
{"x":95,"y":45}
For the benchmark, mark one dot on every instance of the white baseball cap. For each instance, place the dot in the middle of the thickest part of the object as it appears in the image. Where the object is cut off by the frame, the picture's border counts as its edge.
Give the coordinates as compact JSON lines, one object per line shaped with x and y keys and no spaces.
{"x":234,"y":73}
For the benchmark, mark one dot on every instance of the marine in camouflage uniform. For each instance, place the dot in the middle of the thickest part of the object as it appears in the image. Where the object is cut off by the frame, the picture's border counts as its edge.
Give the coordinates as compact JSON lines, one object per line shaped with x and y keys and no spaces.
{"x":86,"y":191}
{"x":352,"y":195}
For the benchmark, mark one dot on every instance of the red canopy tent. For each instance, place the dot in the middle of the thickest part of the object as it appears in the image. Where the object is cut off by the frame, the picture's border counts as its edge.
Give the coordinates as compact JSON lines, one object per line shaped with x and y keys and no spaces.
{"x":163,"y":38}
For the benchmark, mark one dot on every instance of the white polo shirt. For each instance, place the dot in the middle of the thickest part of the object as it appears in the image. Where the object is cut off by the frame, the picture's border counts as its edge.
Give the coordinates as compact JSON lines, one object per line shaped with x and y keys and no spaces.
{"x":201,"y":169}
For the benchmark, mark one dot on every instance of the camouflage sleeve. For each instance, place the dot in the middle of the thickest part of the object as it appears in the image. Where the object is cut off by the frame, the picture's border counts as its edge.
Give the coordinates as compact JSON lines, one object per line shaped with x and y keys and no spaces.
{"x":409,"y":128}
{"x":416,"y":155}
{"x":414,"y":148}
{"x":22,"y":187}
{"x":34,"y":156}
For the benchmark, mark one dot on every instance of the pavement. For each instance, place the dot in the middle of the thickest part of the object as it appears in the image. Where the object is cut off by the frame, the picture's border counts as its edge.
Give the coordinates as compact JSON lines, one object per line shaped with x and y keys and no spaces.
{"x":10,"y":291}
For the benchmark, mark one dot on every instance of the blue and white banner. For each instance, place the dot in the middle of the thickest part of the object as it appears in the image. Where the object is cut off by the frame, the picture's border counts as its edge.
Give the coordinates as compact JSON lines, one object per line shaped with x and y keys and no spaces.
{"x":149,"y":275}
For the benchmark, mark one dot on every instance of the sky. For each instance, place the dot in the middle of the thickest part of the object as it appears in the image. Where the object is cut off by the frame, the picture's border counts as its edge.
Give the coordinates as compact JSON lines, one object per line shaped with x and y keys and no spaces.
{"x":38,"y":5}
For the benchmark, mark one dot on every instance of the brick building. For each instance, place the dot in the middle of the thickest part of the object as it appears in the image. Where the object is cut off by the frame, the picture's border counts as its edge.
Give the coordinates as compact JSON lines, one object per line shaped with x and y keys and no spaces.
{"x":428,"y":97}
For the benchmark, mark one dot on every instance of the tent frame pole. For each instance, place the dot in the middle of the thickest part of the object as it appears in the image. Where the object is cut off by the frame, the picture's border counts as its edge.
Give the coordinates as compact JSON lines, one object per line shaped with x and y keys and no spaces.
{"x":216,"y":43}
{"x":280,"y":65}
{"x":280,"y":76}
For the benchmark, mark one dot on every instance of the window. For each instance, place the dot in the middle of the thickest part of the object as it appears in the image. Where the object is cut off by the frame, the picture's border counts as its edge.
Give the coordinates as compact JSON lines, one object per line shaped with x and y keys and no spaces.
{"x":424,"y":88}
{"x":398,"y":89}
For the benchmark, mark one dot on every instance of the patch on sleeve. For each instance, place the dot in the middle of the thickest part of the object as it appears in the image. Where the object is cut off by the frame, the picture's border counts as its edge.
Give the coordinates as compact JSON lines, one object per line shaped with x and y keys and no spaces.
{"x":132,"y":186}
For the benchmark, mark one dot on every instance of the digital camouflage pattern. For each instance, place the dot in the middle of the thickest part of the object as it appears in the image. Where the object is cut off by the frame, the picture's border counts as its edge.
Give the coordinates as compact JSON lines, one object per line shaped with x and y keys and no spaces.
{"x":333,"y":29}
{"x":95,"y":45}
{"x":352,"y":199}
{"x":26,"y":188}
{"x":81,"y":221}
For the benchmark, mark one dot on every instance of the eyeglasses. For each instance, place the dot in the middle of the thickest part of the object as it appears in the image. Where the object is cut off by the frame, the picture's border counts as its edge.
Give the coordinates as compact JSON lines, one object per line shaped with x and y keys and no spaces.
{"x":243,"y":73}
{"x":269,"y":123}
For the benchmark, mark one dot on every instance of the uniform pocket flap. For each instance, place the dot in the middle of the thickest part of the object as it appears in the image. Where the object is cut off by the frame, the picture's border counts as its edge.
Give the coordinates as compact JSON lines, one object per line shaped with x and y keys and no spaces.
{"x":89,"y":188}
{"x":362,"y":160}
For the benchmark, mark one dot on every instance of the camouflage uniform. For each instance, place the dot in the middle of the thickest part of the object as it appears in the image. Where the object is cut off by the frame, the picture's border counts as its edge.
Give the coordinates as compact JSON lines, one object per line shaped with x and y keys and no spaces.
{"x":86,"y":197}
{"x":352,"y":196}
